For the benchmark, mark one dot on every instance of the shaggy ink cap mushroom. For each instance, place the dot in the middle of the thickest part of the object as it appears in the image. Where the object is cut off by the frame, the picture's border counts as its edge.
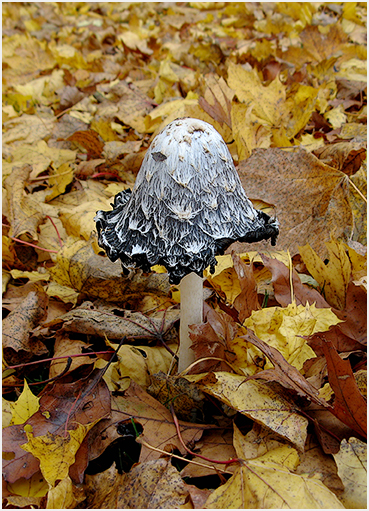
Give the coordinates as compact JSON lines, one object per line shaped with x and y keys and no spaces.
{"x":187,"y":205}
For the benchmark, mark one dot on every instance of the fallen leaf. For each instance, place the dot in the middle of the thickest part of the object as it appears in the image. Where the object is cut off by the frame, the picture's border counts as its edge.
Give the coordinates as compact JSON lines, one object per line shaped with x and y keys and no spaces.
{"x":62,"y":405}
{"x":64,"y":347}
{"x":315,"y":461}
{"x":311,"y":199}
{"x":26,"y":405}
{"x":283,"y":372}
{"x":59,"y":181}
{"x":349,"y":405}
{"x":332,"y":277}
{"x":138,"y":363}
{"x":217,"y":100}
{"x":247,"y":301}
{"x":154,"y":484}
{"x":155,"y":419}
{"x":135,"y":325}
{"x":79,"y":268}
{"x":215,"y":445}
{"x":268,"y":482}
{"x":344,"y":156}
{"x":64,"y":495}
{"x":281,"y":279}
{"x":284,"y":329}
{"x":18,"y":324}
{"x":187,"y":400}
{"x":352,"y":468}
{"x":258,"y":402}
{"x":63,"y":449}
{"x":33,"y":488}
{"x":24,"y":213}
{"x":88,"y":140}
{"x":212,"y":339}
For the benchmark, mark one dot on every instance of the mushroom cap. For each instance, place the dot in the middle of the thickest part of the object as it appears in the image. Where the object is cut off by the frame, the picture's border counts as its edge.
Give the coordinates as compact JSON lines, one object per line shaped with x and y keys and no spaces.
{"x":187,"y":205}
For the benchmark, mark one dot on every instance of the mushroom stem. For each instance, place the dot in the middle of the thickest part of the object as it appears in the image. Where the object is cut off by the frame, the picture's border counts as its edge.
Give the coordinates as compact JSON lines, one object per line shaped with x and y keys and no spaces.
{"x":192,"y":296}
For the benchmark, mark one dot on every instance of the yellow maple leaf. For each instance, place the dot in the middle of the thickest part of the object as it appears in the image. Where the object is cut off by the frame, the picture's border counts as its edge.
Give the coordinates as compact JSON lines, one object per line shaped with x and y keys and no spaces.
{"x":268,"y":482}
{"x":35,"y":486}
{"x":26,"y":405}
{"x":55,"y":452}
{"x":333,"y":277}
{"x":284,"y":329}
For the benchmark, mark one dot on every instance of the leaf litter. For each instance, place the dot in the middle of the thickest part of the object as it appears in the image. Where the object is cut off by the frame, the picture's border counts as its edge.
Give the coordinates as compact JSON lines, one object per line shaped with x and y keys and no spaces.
{"x":278,"y":390}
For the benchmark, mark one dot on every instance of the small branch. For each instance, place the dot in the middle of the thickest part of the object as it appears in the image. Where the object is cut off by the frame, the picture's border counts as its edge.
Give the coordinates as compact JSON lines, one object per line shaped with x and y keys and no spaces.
{"x":65,"y":370}
{"x":142,"y":442}
{"x":59,"y":358}
{"x":228,"y":462}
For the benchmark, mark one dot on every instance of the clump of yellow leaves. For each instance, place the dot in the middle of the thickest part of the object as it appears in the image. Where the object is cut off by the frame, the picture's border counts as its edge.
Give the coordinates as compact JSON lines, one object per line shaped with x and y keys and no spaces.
{"x":286,"y":330}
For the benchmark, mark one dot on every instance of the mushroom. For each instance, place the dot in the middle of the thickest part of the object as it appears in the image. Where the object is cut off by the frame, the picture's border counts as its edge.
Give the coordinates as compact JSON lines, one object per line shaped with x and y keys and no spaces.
{"x":187,"y":205}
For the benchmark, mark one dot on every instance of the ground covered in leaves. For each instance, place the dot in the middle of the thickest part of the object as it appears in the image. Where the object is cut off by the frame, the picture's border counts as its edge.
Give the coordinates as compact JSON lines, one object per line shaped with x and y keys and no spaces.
{"x":274,"y":413}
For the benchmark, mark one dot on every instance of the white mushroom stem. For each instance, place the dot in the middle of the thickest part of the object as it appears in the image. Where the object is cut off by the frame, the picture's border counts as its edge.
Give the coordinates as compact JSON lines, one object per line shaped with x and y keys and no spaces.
{"x":191,"y":289}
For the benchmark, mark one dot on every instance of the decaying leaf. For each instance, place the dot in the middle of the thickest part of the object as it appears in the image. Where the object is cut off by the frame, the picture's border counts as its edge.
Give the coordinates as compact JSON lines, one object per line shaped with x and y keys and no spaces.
{"x":150,"y":485}
{"x":317,"y":196}
{"x":63,"y":407}
{"x":352,"y":468}
{"x":349,"y":404}
{"x":268,"y":482}
{"x":79,"y":268}
{"x":18,"y":324}
{"x":155,"y":419}
{"x":258,"y":402}
{"x":24,"y":212}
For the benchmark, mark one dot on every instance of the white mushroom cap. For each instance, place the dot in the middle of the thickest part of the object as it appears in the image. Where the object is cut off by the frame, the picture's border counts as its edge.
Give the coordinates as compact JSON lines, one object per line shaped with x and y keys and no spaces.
{"x":187,"y":205}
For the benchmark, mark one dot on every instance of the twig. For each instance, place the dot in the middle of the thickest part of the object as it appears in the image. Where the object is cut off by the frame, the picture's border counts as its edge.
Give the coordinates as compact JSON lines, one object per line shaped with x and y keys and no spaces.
{"x":59,"y":358}
{"x":34,"y":246}
{"x":65,"y":370}
{"x":204,"y":360}
{"x":141,"y":441}
{"x":357,"y":189}
{"x":176,"y":423}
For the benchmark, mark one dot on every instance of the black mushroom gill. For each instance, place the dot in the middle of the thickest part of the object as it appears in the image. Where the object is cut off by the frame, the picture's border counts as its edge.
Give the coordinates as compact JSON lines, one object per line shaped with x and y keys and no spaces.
{"x":187,"y":205}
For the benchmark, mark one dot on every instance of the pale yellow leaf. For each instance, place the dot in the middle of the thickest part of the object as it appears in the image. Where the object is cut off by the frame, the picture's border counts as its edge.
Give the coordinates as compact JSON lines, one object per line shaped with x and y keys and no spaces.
{"x":56,"y":453}
{"x":257,"y":401}
{"x":285,"y":329}
{"x":351,"y":462}
{"x":333,"y":277}
{"x":267,"y":483}
{"x":63,"y":496}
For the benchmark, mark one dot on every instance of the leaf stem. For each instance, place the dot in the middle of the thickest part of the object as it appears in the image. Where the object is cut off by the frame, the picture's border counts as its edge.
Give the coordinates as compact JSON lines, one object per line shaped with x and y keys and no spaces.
{"x":57,"y":232}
